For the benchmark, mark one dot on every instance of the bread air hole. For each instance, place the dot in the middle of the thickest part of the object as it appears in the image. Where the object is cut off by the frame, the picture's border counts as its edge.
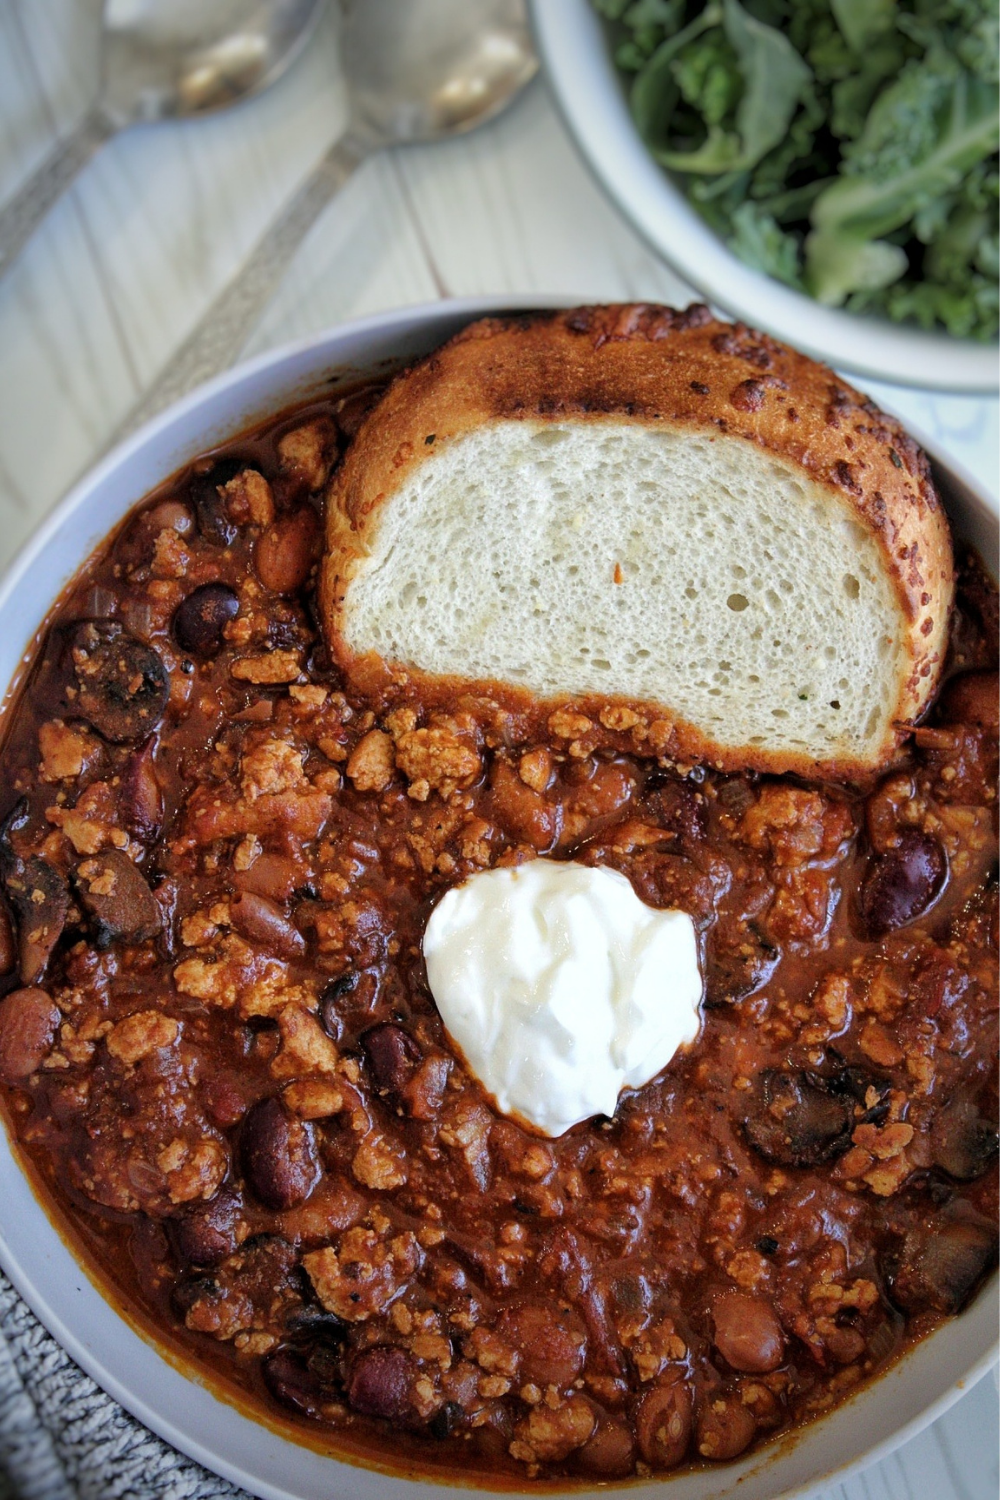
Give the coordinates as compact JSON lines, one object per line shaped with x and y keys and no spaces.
{"x":852,"y":588}
{"x":738,"y":602}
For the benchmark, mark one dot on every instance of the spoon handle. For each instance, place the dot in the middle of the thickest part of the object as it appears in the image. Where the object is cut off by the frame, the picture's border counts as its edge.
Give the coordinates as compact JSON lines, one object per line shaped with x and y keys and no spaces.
{"x":21,"y":216}
{"x":218,"y":338}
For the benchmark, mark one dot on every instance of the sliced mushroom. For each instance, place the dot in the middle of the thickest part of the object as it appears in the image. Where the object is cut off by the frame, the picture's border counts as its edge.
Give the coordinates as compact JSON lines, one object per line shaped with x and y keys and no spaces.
{"x":122,"y":685}
{"x":963,"y":1142}
{"x":940,"y":1264}
{"x":796,"y":1120}
{"x":739,"y":964}
{"x":115,"y":895}
{"x":40,"y":898}
{"x":140,"y":798}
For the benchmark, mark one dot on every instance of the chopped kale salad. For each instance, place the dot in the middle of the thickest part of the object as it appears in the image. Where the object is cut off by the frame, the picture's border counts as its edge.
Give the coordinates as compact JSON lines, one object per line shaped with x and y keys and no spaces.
{"x":846,"y":147}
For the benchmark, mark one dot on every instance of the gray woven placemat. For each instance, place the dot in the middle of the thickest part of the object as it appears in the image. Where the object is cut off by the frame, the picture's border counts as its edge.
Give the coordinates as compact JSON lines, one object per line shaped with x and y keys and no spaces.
{"x":62,"y":1438}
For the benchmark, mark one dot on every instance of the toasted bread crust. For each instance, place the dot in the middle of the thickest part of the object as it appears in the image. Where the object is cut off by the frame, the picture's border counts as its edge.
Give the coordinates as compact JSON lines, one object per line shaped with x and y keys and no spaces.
{"x":653,"y":365}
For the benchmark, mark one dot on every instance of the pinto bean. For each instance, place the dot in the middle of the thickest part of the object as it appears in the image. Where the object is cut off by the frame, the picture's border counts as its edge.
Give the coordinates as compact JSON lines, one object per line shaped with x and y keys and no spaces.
{"x":392,"y":1055}
{"x":263,"y":922}
{"x":206,"y":1233}
{"x":610,"y":1453}
{"x":200,"y":619}
{"x":725,"y":1427}
{"x":551,"y":1340}
{"x":940,"y":1265}
{"x":796,"y":1121}
{"x":117,"y":899}
{"x":525,"y":813}
{"x":122,"y":685}
{"x":901,"y":884}
{"x":663,"y":1423}
{"x":747,"y":1333}
{"x":287,"y":550}
{"x":278,"y":1155}
{"x":29,"y":1019}
{"x":379,"y":1383}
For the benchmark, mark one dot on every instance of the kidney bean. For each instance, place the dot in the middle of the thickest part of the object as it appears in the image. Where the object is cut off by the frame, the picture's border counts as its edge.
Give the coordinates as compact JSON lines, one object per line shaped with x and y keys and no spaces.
{"x":963,"y":1143}
{"x":725,"y":1427}
{"x":201,"y":618}
{"x":117,"y":899}
{"x":8,"y":940}
{"x":392,"y":1055}
{"x":278,"y":1155}
{"x":610,"y":1452}
{"x":205,"y":1234}
{"x":29,"y":1019}
{"x":379,"y":1383}
{"x":795,"y":1120}
{"x":122,"y":685}
{"x":286,"y":551}
{"x":747,"y":1333}
{"x":901,"y":884}
{"x":663,"y":1424}
{"x":263,"y":922}
{"x":551,"y":1340}
{"x":40,"y":898}
{"x":940,"y":1264}
{"x":290,"y":1380}
{"x":140,"y":798}
{"x":971,"y":699}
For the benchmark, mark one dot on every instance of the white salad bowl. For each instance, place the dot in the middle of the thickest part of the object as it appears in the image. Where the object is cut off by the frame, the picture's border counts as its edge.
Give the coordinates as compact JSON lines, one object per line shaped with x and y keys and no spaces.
{"x":589,"y":91}
{"x":171,"y":1398}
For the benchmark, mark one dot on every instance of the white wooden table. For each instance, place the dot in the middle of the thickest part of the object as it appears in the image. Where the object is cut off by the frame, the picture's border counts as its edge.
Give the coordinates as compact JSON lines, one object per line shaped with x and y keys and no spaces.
{"x":124,"y":266}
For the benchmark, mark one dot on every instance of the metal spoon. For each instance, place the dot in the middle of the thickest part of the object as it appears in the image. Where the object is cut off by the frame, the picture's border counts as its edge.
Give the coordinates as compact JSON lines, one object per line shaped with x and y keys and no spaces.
{"x":416,"y":70}
{"x":161,"y":60}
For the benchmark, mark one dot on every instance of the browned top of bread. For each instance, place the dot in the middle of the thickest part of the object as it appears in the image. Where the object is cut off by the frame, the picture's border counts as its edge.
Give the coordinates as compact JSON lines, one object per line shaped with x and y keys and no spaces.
{"x":650,"y":364}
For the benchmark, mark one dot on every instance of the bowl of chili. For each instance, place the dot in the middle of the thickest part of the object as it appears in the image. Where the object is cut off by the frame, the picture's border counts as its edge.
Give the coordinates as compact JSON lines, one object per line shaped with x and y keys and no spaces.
{"x":62,"y":1242}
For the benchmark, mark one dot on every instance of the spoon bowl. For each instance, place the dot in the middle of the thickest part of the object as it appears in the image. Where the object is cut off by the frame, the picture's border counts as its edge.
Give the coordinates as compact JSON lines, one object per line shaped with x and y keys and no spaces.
{"x":416,"y":71}
{"x":169,"y":59}
{"x":432,"y":68}
{"x":163,"y":60}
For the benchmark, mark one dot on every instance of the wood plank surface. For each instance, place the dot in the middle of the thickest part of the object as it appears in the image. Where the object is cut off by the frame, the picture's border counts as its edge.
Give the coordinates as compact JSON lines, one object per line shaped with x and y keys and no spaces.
{"x":128,"y":261}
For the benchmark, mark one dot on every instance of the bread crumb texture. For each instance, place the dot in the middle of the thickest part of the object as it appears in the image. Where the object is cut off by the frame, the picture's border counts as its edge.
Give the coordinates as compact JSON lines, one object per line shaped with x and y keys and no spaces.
{"x":781,"y":586}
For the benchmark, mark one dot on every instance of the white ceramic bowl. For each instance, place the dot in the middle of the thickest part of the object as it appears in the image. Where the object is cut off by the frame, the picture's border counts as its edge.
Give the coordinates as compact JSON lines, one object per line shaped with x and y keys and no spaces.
{"x":39,"y":1261}
{"x":571,"y":40}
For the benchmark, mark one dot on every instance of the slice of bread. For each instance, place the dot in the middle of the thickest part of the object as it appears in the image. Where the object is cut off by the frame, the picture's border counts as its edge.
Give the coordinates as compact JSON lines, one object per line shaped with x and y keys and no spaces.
{"x":653,"y":509}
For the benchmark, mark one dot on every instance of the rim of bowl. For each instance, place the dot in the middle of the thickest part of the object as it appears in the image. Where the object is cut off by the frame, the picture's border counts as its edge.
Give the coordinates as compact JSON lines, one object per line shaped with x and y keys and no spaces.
{"x":570,"y":38}
{"x":167,"y":1394}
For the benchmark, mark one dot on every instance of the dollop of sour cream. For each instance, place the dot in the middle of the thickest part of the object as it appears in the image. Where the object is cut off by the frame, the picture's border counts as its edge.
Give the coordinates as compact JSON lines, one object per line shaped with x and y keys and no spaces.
{"x":561,"y":987}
